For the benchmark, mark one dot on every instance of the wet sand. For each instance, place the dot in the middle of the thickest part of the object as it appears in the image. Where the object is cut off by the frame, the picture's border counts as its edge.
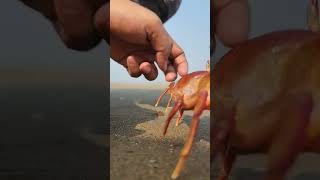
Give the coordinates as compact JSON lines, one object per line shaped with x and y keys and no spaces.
{"x":140,"y":152}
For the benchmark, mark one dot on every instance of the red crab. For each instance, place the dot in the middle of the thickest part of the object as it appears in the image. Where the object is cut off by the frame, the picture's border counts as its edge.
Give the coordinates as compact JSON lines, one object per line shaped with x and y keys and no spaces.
{"x":267,"y":99}
{"x":191,"y":92}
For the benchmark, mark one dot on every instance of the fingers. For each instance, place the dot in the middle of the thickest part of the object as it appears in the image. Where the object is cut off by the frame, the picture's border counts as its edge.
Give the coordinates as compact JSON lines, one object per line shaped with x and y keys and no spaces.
{"x":232,"y":21}
{"x":72,"y":19}
{"x":146,"y":33}
{"x":179,"y":60}
{"x":149,"y":70}
{"x":133,"y":64}
{"x":160,"y":42}
{"x":171,"y":73}
{"x":137,"y":65}
{"x":169,"y":56}
{"x":75,"y":19}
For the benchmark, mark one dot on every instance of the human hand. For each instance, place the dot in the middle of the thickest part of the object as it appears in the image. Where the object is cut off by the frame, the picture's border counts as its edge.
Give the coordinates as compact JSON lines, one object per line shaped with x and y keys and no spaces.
{"x":66,"y":16}
{"x":138,"y":40}
{"x":231,"y":21}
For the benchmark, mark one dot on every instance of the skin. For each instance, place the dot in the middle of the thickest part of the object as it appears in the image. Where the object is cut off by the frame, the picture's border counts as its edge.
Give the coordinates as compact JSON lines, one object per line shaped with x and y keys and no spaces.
{"x":154,"y":45}
{"x":139,"y":42}
{"x":65,"y":15}
{"x":138,"y":47}
{"x":230,"y":21}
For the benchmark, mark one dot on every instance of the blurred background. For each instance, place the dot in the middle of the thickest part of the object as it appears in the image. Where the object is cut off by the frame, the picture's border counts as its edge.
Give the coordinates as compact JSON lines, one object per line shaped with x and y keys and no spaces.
{"x":51,"y":99}
{"x":272,"y":15}
{"x":268,"y":16}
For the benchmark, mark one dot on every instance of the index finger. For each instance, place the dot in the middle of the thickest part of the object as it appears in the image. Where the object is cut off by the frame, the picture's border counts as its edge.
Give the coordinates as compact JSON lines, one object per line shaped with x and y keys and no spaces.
{"x":179,"y":59}
{"x":160,"y":41}
{"x":79,"y":36}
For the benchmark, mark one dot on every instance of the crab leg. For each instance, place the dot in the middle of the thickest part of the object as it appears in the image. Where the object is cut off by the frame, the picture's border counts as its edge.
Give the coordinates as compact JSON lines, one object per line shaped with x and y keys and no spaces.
{"x":169,"y":102}
{"x":174,"y":110}
{"x":170,"y":86}
{"x":178,"y":121}
{"x":228,"y":158}
{"x":220,"y":129}
{"x":161,"y":96}
{"x":200,"y":106}
{"x":289,"y":142}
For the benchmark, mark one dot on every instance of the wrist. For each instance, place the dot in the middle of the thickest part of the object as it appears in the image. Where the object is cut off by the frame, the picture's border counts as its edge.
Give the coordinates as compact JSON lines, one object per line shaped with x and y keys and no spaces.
{"x":165,"y":9}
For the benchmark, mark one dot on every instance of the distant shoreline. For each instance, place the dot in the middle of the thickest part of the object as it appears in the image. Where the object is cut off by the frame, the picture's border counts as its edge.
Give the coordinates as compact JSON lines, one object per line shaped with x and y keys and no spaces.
{"x":149,"y":86}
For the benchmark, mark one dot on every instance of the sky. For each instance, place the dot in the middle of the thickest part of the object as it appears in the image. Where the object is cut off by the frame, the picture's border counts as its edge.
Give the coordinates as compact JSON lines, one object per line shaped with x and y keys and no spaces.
{"x":190,"y":28}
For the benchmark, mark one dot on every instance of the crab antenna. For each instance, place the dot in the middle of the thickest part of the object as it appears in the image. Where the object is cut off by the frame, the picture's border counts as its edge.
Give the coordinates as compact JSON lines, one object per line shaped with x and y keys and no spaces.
{"x":313,"y":16}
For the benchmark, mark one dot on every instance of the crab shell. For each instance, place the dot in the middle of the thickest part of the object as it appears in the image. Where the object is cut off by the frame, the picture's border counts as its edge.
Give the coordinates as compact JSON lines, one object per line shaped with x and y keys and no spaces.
{"x":262,"y":71}
{"x":189,"y":87}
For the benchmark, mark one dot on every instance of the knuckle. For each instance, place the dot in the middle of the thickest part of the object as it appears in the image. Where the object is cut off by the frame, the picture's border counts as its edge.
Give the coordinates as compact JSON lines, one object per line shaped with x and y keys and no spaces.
{"x":154,"y":21}
{"x":134,"y":74}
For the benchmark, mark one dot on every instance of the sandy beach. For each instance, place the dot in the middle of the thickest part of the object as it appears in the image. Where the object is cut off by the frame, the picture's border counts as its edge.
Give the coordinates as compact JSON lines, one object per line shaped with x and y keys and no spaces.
{"x":138,"y":149}
{"x":139,"y":152}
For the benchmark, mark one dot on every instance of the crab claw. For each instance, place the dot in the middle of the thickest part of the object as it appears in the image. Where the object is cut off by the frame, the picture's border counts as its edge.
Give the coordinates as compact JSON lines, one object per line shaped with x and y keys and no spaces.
{"x":313,"y":16}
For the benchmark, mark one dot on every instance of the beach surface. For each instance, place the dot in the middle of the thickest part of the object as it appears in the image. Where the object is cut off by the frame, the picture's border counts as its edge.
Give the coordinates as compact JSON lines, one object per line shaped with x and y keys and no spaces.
{"x":139,"y":151}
